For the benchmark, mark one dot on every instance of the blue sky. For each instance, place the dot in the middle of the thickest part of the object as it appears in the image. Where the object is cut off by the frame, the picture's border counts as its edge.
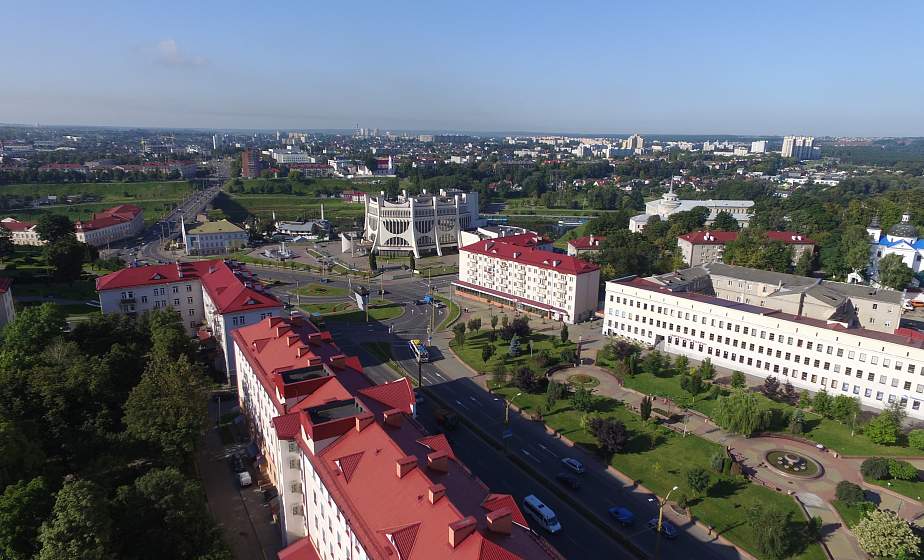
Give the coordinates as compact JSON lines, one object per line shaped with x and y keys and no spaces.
{"x":814,"y":67}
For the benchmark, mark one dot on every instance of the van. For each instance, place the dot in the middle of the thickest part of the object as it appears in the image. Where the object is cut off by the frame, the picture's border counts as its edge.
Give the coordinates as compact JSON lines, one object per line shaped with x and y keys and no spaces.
{"x":541,"y":514}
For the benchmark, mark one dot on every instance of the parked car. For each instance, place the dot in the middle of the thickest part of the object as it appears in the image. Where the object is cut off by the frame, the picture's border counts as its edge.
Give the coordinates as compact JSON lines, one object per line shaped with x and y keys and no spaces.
{"x":667,"y":528}
{"x":243,"y":478}
{"x":573,"y":464}
{"x":622,"y":515}
{"x":568,"y":480}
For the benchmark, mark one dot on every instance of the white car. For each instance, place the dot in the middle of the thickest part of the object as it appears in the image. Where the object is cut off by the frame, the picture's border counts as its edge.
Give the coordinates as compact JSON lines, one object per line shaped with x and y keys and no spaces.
{"x":244,"y":479}
{"x":573,"y":464}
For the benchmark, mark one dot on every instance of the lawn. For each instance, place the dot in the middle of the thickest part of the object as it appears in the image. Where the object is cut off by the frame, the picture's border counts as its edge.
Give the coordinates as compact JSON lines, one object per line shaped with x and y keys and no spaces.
{"x":852,"y":513}
{"x":327,"y":308}
{"x":470,"y":352}
{"x":451,"y":315}
{"x":321,"y":290}
{"x":239,"y":207}
{"x":660,"y":459}
{"x":31,"y":278}
{"x":914,"y":489}
{"x":71,"y":310}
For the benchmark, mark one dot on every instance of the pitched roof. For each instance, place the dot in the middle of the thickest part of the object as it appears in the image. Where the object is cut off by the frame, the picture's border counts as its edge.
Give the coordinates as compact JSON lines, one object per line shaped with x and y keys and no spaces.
{"x":218,"y":226}
{"x":397,"y":394}
{"x":301,"y":549}
{"x":528,"y":239}
{"x":587,"y":242}
{"x":438,"y":442}
{"x":12,"y":224}
{"x":498,"y":248}
{"x":710,"y":237}
{"x":494,"y":502}
{"x":110,"y":217}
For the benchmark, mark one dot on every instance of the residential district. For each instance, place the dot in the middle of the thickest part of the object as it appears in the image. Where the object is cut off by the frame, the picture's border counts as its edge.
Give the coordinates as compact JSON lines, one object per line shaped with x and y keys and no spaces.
{"x":385,"y":345}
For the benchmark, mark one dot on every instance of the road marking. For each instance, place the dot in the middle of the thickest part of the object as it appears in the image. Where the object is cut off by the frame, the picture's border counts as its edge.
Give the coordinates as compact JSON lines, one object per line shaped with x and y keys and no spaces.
{"x":475,"y":401}
{"x":458,"y":402}
{"x":546,"y":449}
{"x":530,"y":455}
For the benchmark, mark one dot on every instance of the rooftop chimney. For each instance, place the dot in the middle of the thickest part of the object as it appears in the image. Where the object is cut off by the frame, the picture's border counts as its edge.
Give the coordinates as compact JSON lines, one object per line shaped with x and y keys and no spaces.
{"x":460,"y":530}
{"x":394,"y":417}
{"x":363,"y":419}
{"x":500,"y":521}
{"x":438,"y":461}
{"x":404,"y":465}
{"x":436,"y":492}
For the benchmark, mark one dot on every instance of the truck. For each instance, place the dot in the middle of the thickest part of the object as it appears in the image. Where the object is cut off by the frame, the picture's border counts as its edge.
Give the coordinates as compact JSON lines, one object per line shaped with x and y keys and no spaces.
{"x":421,"y":354}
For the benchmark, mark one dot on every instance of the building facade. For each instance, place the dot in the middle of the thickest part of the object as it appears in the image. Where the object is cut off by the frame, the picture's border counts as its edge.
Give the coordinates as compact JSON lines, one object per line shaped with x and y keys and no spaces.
{"x":116,"y":223}
{"x":800,"y":148}
{"x":213,"y":238}
{"x":424,"y":224}
{"x":250,"y":163}
{"x":21,"y":233}
{"x":703,"y":247}
{"x":670,"y":203}
{"x":213,"y":298}
{"x":357,"y":478}
{"x":7,"y":310}
{"x":560,"y":287}
{"x":878,"y":368}
{"x":586,"y":245}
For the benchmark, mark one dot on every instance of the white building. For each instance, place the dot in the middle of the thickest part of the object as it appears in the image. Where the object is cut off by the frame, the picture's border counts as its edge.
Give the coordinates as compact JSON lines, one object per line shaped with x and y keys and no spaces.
{"x":674,"y":313}
{"x":800,"y":148}
{"x":212,"y":297}
{"x":759,"y":147}
{"x":422,"y":224}
{"x":21,"y":233}
{"x":901,"y":239}
{"x":7,"y":311}
{"x":213,"y":238}
{"x":111,"y":225}
{"x":292,"y":156}
{"x":356,"y":478}
{"x":634,"y":142}
{"x":560,"y":287}
{"x":669,"y":203}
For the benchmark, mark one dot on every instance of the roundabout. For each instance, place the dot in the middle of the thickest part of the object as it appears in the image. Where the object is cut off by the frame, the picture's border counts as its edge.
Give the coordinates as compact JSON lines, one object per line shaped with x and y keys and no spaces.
{"x":792,"y":464}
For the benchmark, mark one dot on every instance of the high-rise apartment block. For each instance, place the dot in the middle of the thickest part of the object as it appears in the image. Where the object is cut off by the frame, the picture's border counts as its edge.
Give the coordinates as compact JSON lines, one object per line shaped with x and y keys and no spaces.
{"x":800,"y":148}
{"x":250,"y":163}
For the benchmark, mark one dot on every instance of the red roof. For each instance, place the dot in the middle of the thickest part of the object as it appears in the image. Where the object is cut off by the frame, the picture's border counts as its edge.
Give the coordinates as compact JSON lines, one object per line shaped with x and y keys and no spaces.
{"x":498,"y":248}
{"x":789,"y":237}
{"x":438,"y":443}
{"x":287,"y":426}
{"x":587,"y":242}
{"x":110,"y":217}
{"x":12,"y":224}
{"x":397,"y":394}
{"x":301,"y":549}
{"x":495,"y":502}
{"x":528,"y":239}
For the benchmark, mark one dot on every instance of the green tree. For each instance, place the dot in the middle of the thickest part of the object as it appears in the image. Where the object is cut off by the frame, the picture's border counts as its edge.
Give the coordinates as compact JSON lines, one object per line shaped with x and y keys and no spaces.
{"x":499,"y":373}
{"x":474,"y":325}
{"x":6,"y":244}
{"x":79,"y":527}
{"x":740,"y":413}
{"x":609,"y":432}
{"x":23,"y":506}
{"x":644,"y":408}
{"x":738,"y":380}
{"x":168,"y":407}
{"x":564,"y":333}
{"x":845,"y":409}
{"x":168,"y":336}
{"x":805,"y":264}
{"x":876,"y":468}
{"x":294,"y":175}
{"x":581,"y":398}
{"x":412,"y":262}
{"x":514,"y":349}
{"x":916,"y":439}
{"x":849,"y":493}
{"x":724,"y":222}
{"x":681,"y":365}
{"x":372,"y":264}
{"x":699,"y":480}
{"x":65,"y":256}
{"x":33,"y":328}
{"x":882,"y":429}
{"x":754,"y":249}
{"x":855,"y":248}
{"x":458,"y":331}
{"x":623,"y":253}
{"x":772,"y":535}
{"x":486,"y":352}
{"x":902,"y":470}
{"x":19,"y":455}
{"x":705,"y":369}
{"x":797,"y":422}
{"x":884,"y":534}
{"x":52,"y":228}
{"x":554,"y":391}
{"x":894,"y":273}
{"x":822,"y":403}
{"x":805,"y":400}
{"x":493,"y":322}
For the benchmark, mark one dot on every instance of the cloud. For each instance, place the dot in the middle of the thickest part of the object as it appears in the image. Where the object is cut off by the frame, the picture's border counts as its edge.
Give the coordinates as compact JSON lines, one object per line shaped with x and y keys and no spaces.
{"x":167,"y":52}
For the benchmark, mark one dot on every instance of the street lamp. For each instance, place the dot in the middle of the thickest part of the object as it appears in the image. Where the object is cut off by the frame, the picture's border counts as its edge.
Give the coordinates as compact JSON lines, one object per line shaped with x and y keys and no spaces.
{"x":661,"y":504}
{"x":507,"y":410}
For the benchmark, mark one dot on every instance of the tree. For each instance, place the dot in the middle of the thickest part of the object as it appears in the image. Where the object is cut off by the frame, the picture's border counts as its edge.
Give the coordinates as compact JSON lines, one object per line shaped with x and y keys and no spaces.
{"x":789,"y":393}
{"x":705,"y":369}
{"x":902,"y":470}
{"x":169,"y":340}
{"x":737,"y":380}
{"x":79,"y":527}
{"x":514,"y":349}
{"x":740,"y":413}
{"x":718,"y":461}
{"x":875,"y":468}
{"x":474,"y":325}
{"x":772,"y":534}
{"x":554,"y":391}
{"x":797,"y":422}
{"x":681,"y":365}
{"x":805,"y":264}
{"x":486,"y":352}
{"x":567,"y":355}
{"x":884,"y":534}
{"x":882,"y":429}
{"x":893,"y":272}
{"x":581,"y":399}
{"x":524,"y":380}
{"x":6,"y":244}
{"x":623,"y":253}
{"x":458,"y":331}
{"x":23,"y":506}
{"x":644,"y":408}
{"x":805,"y":400}
{"x":845,"y":409}
{"x":494,"y":322}
{"x":19,"y":455}
{"x":564,"y":333}
{"x":373,"y":265}
{"x":610,"y":433}
{"x":25,"y":336}
{"x":724,"y":222}
{"x":699,"y":480}
{"x":168,"y":407}
{"x":65,"y":256}
{"x":754,"y":249}
{"x":52,"y":228}
{"x":499,"y":373}
{"x":855,"y":248}
{"x":770,"y":387}
{"x":822,"y":403}
{"x":849,"y":493}
{"x":294,"y":175}
{"x":916,"y":439}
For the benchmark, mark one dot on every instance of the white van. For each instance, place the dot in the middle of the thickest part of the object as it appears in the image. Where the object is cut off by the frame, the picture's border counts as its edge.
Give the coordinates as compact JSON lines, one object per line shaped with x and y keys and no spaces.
{"x":541,"y":514}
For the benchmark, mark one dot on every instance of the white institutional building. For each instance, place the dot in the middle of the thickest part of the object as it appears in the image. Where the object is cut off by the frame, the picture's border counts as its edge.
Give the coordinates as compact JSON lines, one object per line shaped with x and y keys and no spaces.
{"x":816,"y":335}
{"x":901,"y":239}
{"x":670,"y":203}
{"x":424,"y":224}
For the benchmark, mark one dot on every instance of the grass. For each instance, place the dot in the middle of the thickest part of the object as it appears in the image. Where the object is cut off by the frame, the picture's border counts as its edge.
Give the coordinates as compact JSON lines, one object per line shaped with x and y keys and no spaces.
{"x":914,"y":489}
{"x":326,"y":308}
{"x":71,"y":310}
{"x":852,"y":513}
{"x":660,"y":459}
{"x":321,"y":290}
{"x":451,"y":315}
{"x":470,"y":352}
{"x":811,"y":468}
{"x":587,"y":381}
{"x":238,"y":207}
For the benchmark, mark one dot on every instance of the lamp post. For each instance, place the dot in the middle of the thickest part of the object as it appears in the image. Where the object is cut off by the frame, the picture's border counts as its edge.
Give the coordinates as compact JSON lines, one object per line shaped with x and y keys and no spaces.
{"x":507,"y":410}
{"x":661,"y":504}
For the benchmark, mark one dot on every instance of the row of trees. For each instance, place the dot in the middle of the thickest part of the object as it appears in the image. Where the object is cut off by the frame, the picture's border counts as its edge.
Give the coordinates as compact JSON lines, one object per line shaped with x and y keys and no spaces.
{"x":97,"y":428}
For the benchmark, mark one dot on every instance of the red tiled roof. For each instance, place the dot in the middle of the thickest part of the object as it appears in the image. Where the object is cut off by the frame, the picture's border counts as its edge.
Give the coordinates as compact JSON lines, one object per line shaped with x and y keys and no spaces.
{"x":109,"y":217}
{"x":301,"y":549}
{"x":403,"y":538}
{"x":528,"y":239}
{"x":287,"y":426}
{"x":348,"y":464}
{"x":710,"y":237}
{"x":498,"y":248}
{"x":587,"y":242}
{"x":495,"y":502}
{"x":12,"y":224}
{"x":438,"y":443}
{"x":397,"y":394}
{"x":492,"y":551}
{"x":789,"y":237}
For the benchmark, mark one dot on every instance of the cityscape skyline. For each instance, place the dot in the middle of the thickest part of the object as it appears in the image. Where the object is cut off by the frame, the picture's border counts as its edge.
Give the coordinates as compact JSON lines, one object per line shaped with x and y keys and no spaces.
{"x":675,"y":68}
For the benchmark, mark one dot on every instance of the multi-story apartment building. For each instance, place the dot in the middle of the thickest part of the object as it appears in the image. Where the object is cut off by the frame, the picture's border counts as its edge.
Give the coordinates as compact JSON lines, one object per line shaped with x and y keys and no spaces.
{"x":586,"y":245}
{"x":7,"y":311}
{"x":218,"y":237}
{"x":800,"y":148}
{"x":703,"y":247}
{"x":250,"y":163}
{"x":357,"y":477}
{"x":423,"y":224}
{"x":108,"y":226}
{"x":213,"y":298}
{"x":558,"y":286}
{"x":766,"y":333}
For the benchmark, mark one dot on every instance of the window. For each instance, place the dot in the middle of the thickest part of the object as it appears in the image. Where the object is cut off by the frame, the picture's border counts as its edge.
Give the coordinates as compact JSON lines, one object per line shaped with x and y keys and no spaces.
{"x":189,"y":299}
{"x":878,"y":395}
{"x":176,"y":301}
{"x":188,"y":288}
{"x":144,"y":299}
{"x":176,"y":289}
{"x":191,"y":312}
{"x":868,"y":393}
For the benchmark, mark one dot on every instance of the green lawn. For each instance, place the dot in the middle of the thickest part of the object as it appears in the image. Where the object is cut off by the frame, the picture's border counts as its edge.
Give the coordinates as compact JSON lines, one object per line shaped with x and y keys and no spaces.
{"x":286,"y":206}
{"x":660,"y":459}
{"x":321,"y":290}
{"x":914,"y":489}
{"x":470,"y":352}
{"x":452,"y":314}
{"x":71,"y":310}
{"x":327,"y":308}
{"x":852,"y":513}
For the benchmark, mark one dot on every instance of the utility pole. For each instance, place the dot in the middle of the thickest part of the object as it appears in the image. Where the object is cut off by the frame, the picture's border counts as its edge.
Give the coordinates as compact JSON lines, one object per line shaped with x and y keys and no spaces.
{"x":419,"y":374}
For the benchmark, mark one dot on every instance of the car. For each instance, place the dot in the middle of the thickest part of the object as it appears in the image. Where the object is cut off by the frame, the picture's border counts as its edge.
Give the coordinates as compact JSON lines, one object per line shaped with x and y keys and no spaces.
{"x":573,"y":464}
{"x":622,"y":515}
{"x":568,"y":480}
{"x":243,"y":478}
{"x":667,"y":528}
{"x":237,"y":463}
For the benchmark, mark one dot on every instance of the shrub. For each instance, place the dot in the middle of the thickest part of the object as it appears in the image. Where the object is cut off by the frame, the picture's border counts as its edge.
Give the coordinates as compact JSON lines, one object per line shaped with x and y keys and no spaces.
{"x":916,"y":439}
{"x":524,"y":380}
{"x":611,"y":434}
{"x":882,"y":429}
{"x":542,"y":358}
{"x":902,"y":470}
{"x":682,"y":501}
{"x":737,"y":380}
{"x":885,"y":534}
{"x":644,"y":409}
{"x":875,"y":468}
{"x":849,"y":493}
{"x":797,"y":423}
{"x":717,"y":461}
{"x":568,"y":355}
{"x":699,"y":480}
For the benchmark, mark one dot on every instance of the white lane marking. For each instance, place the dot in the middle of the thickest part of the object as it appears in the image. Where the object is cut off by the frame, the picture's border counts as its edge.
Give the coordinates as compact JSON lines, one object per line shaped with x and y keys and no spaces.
{"x":546,"y":449}
{"x":458,"y":402}
{"x":474,"y":400}
{"x":530,"y":455}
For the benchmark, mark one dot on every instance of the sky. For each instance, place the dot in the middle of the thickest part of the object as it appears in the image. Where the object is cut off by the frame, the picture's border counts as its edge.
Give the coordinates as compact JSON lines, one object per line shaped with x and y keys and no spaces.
{"x":812,"y":67}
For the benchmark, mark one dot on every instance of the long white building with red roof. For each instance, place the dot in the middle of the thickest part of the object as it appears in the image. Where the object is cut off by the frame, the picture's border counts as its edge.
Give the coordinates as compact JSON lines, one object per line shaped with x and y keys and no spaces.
{"x":517,"y":273}
{"x":357,"y":477}
{"x":213,"y":297}
{"x":108,"y":226}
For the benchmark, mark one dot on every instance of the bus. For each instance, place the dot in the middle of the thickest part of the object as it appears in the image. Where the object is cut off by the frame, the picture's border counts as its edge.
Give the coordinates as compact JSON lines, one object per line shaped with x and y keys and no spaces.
{"x":420,"y":350}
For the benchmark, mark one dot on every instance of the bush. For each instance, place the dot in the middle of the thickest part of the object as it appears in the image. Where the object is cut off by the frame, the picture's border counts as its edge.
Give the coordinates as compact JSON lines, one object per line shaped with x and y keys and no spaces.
{"x":882,"y":429}
{"x":849,"y":493}
{"x":568,"y":355}
{"x":524,"y":380}
{"x":611,"y":433}
{"x":738,"y":380}
{"x":902,"y":470}
{"x":875,"y":468}
{"x":682,"y":501}
{"x":699,"y":480}
{"x":916,"y":439}
{"x":717,"y":461}
{"x":542,"y":358}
